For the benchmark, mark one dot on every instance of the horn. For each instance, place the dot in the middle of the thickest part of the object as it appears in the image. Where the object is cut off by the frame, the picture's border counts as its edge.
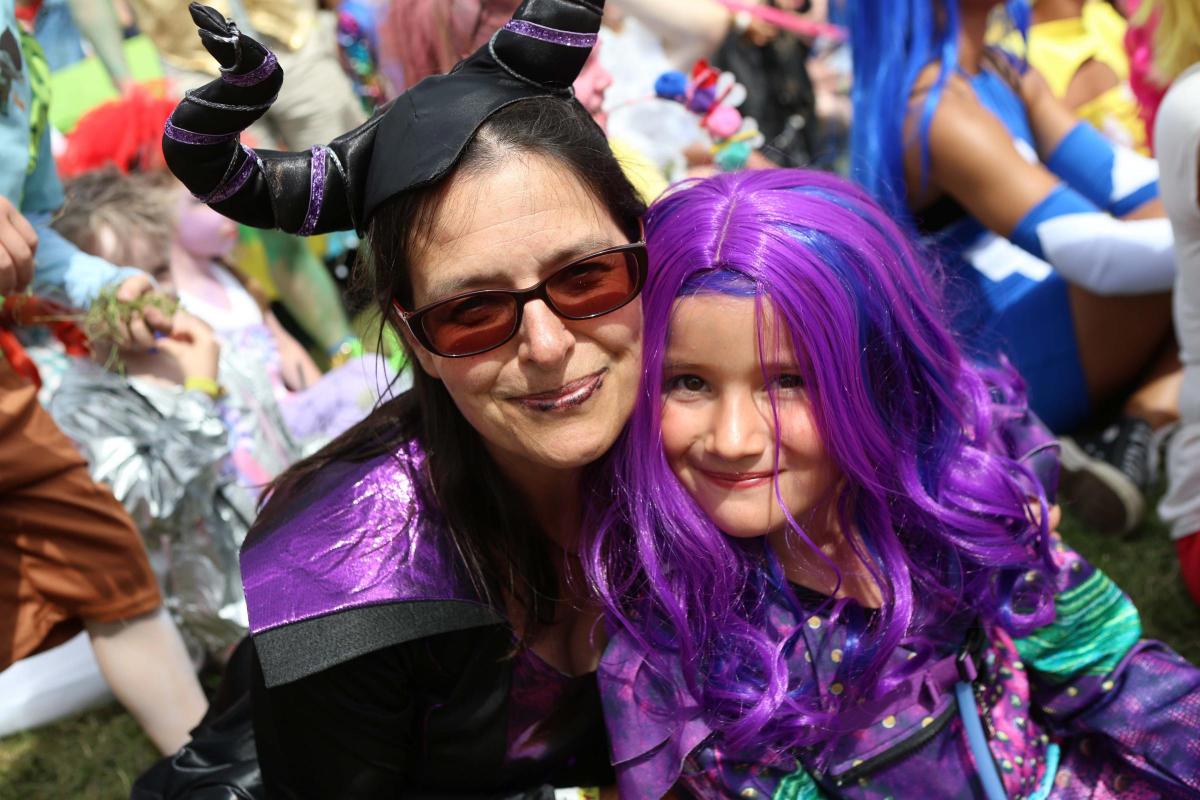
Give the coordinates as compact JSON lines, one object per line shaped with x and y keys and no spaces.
{"x":307,"y":192}
{"x":547,"y":42}
{"x":414,"y":141}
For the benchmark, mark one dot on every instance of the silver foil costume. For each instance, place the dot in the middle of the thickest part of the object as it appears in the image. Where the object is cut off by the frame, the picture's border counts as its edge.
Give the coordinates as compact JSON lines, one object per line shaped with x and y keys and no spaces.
{"x":165,"y":453}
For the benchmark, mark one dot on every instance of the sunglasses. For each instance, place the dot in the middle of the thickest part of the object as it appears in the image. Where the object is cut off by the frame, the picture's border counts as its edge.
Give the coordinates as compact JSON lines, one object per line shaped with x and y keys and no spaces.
{"x":474,"y":322}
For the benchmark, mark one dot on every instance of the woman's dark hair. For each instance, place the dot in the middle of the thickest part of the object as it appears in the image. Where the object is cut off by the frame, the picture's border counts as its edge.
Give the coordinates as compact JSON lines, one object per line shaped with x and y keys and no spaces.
{"x":483,"y":512}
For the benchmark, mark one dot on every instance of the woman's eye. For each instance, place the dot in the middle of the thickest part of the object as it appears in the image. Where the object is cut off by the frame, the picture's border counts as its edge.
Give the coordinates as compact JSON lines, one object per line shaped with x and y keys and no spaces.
{"x":473,"y":310}
{"x":583,"y":277}
{"x":686,"y":383}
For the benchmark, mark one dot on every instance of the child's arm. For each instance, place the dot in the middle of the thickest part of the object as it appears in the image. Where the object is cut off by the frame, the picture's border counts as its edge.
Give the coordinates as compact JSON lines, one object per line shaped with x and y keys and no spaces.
{"x":1092,"y":674}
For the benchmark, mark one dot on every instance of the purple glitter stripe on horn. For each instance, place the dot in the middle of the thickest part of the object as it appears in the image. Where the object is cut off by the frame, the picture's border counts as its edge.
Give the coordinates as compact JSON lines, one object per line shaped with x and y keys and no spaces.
{"x":552,"y":35}
{"x":191,"y":137}
{"x":254,"y":76}
{"x":231,"y":187}
{"x":316,"y":191}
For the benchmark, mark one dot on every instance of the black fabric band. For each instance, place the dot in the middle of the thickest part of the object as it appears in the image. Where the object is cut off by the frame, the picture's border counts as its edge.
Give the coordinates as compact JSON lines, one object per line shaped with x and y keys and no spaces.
{"x":295,"y":651}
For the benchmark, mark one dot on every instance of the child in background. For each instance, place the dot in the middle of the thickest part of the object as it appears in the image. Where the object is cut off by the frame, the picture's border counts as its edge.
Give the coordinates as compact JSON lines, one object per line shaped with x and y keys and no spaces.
{"x":843,"y":579}
{"x":160,"y":427}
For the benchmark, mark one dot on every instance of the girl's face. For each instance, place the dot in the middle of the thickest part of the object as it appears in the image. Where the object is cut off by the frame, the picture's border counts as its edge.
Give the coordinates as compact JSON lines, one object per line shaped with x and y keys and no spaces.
{"x":718,"y":430}
{"x":202,"y":232}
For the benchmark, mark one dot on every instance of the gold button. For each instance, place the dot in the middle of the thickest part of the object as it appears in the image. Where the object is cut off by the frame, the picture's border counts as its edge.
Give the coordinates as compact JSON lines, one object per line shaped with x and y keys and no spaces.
{"x":814,"y":622}
{"x":836,"y":689}
{"x":889,"y":721}
{"x":836,"y":656}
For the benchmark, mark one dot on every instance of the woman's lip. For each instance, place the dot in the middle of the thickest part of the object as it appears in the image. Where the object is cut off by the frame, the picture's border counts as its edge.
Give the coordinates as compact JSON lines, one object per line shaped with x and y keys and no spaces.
{"x":738,"y":480}
{"x":569,"y":395}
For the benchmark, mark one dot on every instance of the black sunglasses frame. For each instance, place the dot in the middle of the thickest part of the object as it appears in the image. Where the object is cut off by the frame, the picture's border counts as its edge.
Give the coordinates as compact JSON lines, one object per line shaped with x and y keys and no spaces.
{"x":413,"y":319}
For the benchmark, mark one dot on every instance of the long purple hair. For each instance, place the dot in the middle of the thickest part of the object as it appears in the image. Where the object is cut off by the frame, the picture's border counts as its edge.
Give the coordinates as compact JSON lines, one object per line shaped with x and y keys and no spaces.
{"x":940,"y":507}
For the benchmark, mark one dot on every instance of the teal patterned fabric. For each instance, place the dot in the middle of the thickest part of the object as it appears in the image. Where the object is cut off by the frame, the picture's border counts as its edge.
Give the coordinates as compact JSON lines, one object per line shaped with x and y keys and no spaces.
{"x":1095,"y":626}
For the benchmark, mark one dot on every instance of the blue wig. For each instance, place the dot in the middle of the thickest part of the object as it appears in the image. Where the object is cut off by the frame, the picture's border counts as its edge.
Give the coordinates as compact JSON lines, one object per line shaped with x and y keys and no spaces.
{"x":892,"y":42}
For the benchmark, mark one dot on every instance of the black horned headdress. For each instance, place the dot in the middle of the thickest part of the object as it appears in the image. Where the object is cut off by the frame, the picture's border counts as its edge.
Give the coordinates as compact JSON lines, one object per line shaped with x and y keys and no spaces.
{"x":413,"y":141}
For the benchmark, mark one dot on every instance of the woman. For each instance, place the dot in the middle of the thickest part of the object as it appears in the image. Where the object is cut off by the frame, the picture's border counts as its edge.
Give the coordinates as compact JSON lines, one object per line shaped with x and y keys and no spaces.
{"x":1059,"y":255}
{"x":410,"y":587}
{"x":844,"y":583}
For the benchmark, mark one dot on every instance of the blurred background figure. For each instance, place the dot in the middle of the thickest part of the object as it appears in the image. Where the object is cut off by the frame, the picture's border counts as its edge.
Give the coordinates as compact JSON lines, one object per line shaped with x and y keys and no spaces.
{"x":317,"y":104}
{"x":1079,"y":48}
{"x":1057,"y":252}
{"x":1177,"y":144}
{"x":70,"y":558}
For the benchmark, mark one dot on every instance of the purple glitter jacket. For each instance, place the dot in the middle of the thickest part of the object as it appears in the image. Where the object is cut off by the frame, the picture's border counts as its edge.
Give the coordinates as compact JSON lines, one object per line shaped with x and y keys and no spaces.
{"x":1083,"y":708}
{"x":360,"y":564}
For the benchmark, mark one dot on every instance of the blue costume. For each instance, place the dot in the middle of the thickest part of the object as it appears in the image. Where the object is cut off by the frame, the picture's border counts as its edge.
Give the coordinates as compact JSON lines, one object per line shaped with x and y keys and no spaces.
{"x":1007,"y":295}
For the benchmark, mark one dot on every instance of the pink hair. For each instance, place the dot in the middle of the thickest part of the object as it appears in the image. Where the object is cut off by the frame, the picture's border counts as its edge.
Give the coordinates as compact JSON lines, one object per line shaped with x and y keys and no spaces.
{"x":1143,"y":80}
{"x":419,"y":38}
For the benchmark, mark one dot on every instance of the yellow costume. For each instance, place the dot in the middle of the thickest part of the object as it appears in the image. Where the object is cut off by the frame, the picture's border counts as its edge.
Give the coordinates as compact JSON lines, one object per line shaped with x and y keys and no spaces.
{"x":1058,"y":48}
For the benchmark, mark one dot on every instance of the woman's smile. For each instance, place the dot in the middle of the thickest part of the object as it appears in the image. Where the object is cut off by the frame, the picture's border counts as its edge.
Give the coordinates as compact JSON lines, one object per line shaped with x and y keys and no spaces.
{"x":570,"y":395}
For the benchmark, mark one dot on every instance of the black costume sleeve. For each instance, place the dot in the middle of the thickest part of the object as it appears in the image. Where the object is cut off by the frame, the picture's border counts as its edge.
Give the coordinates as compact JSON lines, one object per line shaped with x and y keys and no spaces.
{"x":352,"y":731}
{"x":260,"y":188}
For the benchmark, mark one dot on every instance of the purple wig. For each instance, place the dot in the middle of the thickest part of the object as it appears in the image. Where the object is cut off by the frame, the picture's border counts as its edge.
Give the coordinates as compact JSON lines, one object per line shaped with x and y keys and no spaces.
{"x":940,"y":505}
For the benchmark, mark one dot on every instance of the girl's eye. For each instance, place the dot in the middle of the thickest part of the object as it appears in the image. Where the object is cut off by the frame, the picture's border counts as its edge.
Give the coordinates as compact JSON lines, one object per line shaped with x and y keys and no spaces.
{"x":686,"y":383}
{"x":789,"y":382}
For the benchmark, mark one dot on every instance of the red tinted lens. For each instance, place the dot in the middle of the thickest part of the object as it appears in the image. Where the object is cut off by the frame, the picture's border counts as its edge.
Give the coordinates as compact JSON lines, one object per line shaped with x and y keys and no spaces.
{"x":470,"y":324}
{"x":593,"y":287}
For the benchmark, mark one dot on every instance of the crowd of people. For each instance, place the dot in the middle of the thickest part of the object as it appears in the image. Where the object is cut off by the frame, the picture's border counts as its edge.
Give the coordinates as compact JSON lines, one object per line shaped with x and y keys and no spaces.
{"x":580,"y":399}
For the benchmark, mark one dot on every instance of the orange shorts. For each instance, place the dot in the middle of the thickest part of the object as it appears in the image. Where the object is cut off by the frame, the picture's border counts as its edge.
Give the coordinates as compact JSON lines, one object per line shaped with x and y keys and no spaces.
{"x":68,"y":550}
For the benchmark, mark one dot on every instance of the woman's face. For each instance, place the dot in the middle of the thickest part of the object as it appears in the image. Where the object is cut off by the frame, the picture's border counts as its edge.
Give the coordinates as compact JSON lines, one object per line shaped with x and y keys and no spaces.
{"x":559,"y":392}
{"x":717,"y":428}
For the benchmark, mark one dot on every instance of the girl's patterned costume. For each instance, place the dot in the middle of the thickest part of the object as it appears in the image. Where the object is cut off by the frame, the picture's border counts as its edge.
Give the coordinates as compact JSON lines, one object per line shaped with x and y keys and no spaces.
{"x":1083,"y":708}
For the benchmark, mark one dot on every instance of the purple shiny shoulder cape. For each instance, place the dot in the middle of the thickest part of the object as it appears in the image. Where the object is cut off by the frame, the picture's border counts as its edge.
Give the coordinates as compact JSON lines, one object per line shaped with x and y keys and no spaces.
{"x":359,"y":565}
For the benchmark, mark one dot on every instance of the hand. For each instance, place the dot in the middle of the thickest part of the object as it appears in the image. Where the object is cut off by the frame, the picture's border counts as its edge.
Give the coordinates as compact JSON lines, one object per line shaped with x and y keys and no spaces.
{"x":1055,"y":516}
{"x":193,"y":346}
{"x":138,"y":333}
{"x":233,"y":50}
{"x":18,"y":244}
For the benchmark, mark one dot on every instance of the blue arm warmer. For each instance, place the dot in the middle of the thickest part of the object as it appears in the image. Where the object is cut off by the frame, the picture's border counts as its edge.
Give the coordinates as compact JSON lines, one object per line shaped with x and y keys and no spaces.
{"x":1114,"y":178}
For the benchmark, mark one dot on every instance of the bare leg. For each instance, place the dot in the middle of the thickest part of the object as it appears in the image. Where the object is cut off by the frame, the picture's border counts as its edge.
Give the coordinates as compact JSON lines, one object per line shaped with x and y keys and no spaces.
{"x":1127,"y":343}
{"x":1156,"y":399}
{"x":147,"y":666}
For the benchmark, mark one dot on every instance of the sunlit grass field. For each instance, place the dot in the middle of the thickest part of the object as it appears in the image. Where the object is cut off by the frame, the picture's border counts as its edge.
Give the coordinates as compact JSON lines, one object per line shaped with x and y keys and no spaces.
{"x":98,"y":755}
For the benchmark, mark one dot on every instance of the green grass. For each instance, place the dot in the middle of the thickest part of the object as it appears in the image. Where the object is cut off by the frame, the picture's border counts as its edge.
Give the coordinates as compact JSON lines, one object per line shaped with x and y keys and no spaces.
{"x":98,"y":755}
{"x":1145,"y":566}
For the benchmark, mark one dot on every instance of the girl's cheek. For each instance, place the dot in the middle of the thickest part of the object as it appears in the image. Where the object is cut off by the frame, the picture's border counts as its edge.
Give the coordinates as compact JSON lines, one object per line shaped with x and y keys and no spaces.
{"x":684,"y":428}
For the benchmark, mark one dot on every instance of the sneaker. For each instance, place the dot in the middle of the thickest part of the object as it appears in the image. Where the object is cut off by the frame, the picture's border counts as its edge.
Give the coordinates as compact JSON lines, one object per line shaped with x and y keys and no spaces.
{"x":1105,"y":475}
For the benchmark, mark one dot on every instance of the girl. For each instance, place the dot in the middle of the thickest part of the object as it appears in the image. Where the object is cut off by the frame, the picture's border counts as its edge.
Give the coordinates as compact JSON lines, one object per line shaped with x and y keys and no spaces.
{"x":843,"y":582}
